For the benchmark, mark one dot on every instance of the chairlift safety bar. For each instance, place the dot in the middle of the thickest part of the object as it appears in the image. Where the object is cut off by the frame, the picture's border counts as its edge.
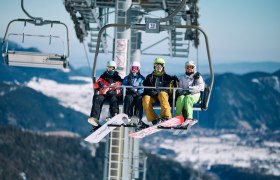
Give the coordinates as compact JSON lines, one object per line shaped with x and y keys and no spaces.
{"x":16,"y":34}
{"x":36,"y":59}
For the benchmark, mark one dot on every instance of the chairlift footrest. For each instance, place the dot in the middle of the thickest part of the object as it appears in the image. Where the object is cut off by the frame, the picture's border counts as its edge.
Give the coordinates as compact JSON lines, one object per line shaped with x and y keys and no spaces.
{"x":164,"y":127}
{"x":122,"y":125}
{"x":175,"y":127}
{"x":182,"y":127}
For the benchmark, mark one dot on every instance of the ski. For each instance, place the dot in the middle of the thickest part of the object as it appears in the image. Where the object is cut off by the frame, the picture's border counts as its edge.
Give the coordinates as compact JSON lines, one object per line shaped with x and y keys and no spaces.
{"x":105,"y":129}
{"x":153,"y":129}
{"x":130,"y":123}
{"x":185,"y":126}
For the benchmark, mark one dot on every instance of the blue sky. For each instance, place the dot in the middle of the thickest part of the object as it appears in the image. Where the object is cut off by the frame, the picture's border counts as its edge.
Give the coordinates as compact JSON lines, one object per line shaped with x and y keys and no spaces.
{"x":238,"y":30}
{"x":242,"y":30}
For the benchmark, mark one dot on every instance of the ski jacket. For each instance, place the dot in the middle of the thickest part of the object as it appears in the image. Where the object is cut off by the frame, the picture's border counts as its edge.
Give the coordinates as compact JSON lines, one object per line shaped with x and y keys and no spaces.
{"x":194,"y":83}
{"x":108,"y":80}
{"x":153,"y":80}
{"x":131,"y":80}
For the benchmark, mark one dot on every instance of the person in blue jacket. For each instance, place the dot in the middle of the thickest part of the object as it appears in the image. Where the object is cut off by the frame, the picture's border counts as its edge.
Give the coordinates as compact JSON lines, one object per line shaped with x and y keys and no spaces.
{"x":133,"y":98}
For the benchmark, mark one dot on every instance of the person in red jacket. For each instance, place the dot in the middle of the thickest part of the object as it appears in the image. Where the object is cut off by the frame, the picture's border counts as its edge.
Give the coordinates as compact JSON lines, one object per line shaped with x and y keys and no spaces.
{"x":104,"y":91}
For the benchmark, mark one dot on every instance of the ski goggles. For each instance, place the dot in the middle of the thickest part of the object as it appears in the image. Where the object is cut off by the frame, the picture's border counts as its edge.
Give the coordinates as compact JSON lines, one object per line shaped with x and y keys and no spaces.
{"x":158,"y":64}
{"x":110,"y":67}
{"x":135,"y":68}
{"x":189,"y":67}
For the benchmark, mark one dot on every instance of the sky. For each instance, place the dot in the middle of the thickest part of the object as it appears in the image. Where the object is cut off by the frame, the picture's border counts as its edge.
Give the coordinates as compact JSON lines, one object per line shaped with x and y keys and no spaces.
{"x":238,"y":31}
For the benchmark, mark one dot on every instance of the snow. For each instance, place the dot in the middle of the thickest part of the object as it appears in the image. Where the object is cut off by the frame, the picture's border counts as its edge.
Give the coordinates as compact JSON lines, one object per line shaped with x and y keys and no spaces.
{"x":245,"y":124}
{"x":2,"y":93}
{"x":75,"y":96}
{"x":86,"y":79}
{"x":214,"y":151}
{"x":13,"y":88}
{"x":221,"y":149}
{"x":272,"y":144}
{"x":276,"y":83}
{"x":23,"y":175}
{"x":272,"y":81}
{"x":254,"y":80}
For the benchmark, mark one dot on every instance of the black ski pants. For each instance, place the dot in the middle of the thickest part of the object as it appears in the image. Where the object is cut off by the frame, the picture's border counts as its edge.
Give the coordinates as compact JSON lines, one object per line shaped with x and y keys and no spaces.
{"x":97,"y":103}
{"x":133,"y":105}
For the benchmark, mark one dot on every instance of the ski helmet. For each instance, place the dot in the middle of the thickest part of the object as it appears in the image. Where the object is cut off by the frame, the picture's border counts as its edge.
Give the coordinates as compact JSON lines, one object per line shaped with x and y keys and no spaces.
{"x":159,"y":61}
{"x":190,"y":63}
{"x":111,"y":63}
{"x":136,"y":63}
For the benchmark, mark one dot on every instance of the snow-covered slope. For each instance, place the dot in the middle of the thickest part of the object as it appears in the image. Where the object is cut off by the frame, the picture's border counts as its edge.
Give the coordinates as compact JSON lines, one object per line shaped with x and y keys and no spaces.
{"x":206,"y":148}
{"x":75,"y":96}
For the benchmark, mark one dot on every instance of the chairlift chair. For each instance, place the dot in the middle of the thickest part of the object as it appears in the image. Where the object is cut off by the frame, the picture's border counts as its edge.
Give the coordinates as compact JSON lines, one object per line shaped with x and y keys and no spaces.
{"x":205,"y":95}
{"x":35,"y":59}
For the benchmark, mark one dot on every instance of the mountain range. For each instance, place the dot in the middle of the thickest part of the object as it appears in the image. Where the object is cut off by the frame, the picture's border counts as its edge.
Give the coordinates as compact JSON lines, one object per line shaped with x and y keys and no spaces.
{"x":249,"y":101}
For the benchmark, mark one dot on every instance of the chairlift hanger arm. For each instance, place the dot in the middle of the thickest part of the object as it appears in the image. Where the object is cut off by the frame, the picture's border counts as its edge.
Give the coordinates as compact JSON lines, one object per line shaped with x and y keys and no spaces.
{"x":23,"y":9}
{"x":32,"y":22}
{"x":37,"y":20}
{"x":175,"y":12}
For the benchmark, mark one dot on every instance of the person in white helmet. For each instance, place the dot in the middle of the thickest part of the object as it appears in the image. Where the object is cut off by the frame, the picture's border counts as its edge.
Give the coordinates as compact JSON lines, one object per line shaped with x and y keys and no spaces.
{"x":103,"y":91}
{"x":191,"y":83}
{"x":133,"y":99}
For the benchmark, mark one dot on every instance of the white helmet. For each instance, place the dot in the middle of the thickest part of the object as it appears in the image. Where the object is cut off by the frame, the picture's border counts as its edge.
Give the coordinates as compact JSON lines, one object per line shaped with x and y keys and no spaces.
{"x":136,"y":63}
{"x":190,"y":63}
{"x":111,"y":63}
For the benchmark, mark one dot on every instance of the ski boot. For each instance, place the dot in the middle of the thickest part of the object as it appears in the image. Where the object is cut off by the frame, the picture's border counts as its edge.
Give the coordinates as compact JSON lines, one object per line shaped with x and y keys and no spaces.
{"x":189,"y":122}
{"x":126,"y":121}
{"x":186,"y":123}
{"x":134,"y":120}
{"x":159,"y":120}
{"x":93,"y":121}
{"x":94,"y":128}
{"x":141,"y":125}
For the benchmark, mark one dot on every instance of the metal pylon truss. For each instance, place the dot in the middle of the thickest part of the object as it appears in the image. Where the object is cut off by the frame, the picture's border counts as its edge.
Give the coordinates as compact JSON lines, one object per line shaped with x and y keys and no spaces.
{"x":90,"y":15}
{"x":179,"y":40}
{"x":88,"y":19}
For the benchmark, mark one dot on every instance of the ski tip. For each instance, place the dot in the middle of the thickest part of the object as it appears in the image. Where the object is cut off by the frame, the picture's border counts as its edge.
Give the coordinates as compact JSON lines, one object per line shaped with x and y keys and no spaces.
{"x":181,"y":118}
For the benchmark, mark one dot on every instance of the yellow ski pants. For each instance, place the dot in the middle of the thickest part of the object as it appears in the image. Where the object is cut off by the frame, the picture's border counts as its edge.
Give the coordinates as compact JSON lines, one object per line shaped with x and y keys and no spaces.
{"x":148,"y":101}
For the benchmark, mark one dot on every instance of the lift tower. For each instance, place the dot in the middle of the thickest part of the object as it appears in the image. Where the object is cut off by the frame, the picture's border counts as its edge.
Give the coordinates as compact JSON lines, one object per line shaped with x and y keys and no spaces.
{"x":91,"y":17}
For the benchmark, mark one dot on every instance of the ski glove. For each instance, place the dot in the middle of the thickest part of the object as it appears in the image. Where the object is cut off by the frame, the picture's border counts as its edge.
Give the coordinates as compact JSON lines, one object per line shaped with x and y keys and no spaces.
{"x":174,"y":78}
{"x":196,"y":75}
{"x":111,"y":93}
{"x":100,"y":84}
